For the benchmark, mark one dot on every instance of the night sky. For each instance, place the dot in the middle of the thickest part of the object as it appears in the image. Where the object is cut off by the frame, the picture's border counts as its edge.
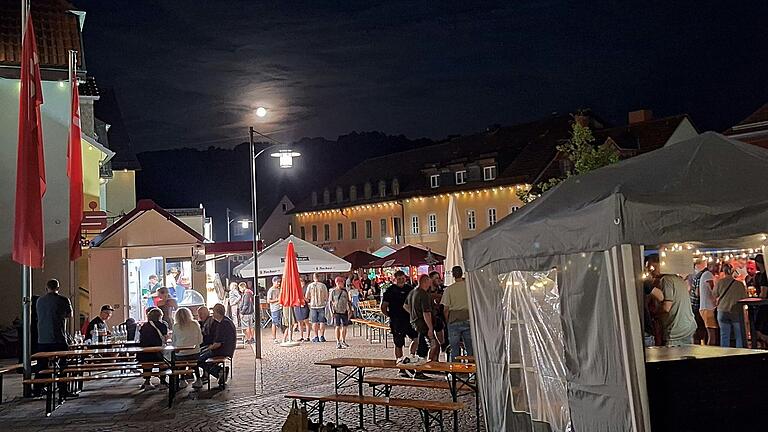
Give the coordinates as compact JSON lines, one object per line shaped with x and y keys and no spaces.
{"x":190,"y":74}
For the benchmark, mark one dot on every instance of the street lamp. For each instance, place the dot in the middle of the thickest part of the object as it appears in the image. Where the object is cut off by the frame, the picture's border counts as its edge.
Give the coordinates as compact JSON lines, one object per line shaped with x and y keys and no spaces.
{"x":286,"y":161}
{"x":244,"y":223}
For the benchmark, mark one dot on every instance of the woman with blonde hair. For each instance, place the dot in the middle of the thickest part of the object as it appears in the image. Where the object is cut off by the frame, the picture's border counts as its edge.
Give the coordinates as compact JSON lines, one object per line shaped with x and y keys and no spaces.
{"x":186,"y":332}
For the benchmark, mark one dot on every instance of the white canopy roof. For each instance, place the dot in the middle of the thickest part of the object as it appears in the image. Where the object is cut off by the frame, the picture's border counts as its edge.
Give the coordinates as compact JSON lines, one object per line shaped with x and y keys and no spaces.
{"x":310,"y":258}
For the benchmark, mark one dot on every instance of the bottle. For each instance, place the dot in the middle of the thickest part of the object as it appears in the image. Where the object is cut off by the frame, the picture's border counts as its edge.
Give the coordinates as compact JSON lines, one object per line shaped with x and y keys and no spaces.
{"x":94,"y":336}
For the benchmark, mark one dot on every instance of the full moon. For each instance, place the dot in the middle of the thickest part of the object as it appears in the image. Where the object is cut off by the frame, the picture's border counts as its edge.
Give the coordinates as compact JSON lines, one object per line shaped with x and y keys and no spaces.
{"x":261,"y":112}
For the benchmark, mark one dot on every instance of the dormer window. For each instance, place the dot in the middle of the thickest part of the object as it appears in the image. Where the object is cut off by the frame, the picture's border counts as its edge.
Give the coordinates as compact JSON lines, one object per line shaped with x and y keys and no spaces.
{"x":395,"y":187}
{"x":367,"y":190}
{"x":339,"y":194}
{"x":326,"y":196}
{"x":353,"y":193}
{"x":489,"y":173}
{"x":382,"y":188}
{"x":461,"y":177}
{"x":314,"y":198}
{"x":434,"y":181}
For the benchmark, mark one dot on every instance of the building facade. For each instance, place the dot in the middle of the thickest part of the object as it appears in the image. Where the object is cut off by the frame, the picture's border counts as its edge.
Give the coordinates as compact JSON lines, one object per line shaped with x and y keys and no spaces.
{"x":753,"y":129}
{"x":403,"y":198}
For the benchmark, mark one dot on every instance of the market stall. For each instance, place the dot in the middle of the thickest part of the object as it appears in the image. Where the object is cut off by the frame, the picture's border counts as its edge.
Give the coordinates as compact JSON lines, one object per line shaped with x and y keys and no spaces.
{"x":411,"y":259}
{"x":360,"y":259}
{"x":311,"y":259}
{"x":556,"y":288}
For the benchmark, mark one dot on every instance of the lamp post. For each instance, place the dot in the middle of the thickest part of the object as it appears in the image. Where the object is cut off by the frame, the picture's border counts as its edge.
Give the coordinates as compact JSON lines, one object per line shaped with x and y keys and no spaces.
{"x":245,"y":223}
{"x":286,"y":161}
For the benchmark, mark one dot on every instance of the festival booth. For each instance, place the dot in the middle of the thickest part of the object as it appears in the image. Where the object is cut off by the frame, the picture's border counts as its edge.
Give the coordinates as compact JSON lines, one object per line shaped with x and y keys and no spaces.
{"x":556,"y":295}
{"x":416,"y":260}
{"x":147,"y":242}
{"x":360,"y":259}
{"x":310,"y":258}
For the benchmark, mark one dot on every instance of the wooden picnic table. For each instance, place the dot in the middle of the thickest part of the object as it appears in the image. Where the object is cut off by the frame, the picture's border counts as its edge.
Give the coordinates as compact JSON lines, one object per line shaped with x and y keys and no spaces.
{"x":454,"y":372}
{"x":113,"y":344}
{"x":83,"y":353}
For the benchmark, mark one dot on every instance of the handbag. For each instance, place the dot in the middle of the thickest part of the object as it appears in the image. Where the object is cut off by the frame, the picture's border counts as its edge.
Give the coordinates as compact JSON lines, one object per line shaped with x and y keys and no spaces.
{"x":297,"y":420}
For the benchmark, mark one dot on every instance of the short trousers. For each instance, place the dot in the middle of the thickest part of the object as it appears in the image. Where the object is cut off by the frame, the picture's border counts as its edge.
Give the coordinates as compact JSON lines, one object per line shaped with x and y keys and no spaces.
{"x":301,"y":312}
{"x":246,"y":320}
{"x":710,"y":317}
{"x":317,"y":315}
{"x":400,"y":331}
{"x":277,"y":318}
{"x":340,"y":319}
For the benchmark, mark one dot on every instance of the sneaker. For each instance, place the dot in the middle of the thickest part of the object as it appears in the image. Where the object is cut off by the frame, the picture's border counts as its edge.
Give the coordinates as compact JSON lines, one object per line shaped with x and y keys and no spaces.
{"x":147,"y":386}
{"x":315,"y":339}
{"x":338,"y":346}
{"x":418,"y":360}
{"x":405,"y":374}
{"x":223,"y":374}
{"x":322,"y":339}
{"x":198,"y":384}
{"x":344,"y":344}
{"x":277,"y":341}
{"x":403,"y":360}
{"x":420,"y":376}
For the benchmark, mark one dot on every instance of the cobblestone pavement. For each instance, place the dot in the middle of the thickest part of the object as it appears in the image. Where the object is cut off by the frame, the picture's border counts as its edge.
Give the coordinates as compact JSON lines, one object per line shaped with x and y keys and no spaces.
{"x":119,"y":405}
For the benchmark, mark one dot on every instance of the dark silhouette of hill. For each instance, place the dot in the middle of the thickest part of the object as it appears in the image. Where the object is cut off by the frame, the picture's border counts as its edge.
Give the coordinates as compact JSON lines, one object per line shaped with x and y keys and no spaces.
{"x":220,"y":178}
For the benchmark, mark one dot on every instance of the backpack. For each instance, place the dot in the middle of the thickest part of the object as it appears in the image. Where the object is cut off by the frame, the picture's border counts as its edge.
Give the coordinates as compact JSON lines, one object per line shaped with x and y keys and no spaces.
{"x":246,"y":304}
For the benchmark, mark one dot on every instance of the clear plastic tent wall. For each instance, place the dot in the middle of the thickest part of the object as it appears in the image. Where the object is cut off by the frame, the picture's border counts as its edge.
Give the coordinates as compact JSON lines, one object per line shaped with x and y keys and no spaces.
{"x":549,"y":343}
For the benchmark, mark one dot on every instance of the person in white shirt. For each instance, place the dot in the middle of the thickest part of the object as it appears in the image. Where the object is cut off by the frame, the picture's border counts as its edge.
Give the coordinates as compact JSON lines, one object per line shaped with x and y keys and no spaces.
{"x":702,"y":288}
{"x":186,"y":332}
{"x":317,"y":297}
{"x":234,"y":303}
{"x":275,"y":308}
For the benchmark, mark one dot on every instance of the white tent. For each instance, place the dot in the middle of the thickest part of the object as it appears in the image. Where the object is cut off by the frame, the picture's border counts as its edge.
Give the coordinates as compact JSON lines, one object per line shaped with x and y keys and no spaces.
{"x":556,"y":289}
{"x":310,"y":258}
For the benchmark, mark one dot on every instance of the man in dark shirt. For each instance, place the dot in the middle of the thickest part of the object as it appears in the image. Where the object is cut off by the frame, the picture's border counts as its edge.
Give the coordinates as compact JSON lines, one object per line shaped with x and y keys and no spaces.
{"x":53,"y":310}
{"x":207,"y":326}
{"x":421,"y":310}
{"x":104,"y":315}
{"x":224,"y":342}
{"x":392,"y":305}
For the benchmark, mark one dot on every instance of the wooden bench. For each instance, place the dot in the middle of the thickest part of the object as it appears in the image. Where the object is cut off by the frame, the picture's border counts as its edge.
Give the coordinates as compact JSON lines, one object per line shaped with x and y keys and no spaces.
{"x":10,"y":368}
{"x":50,"y":402}
{"x":465,"y":359}
{"x":223,"y":362}
{"x":361,"y":324}
{"x":388,"y":383}
{"x":380,"y":329}
{"x":431,"y":411}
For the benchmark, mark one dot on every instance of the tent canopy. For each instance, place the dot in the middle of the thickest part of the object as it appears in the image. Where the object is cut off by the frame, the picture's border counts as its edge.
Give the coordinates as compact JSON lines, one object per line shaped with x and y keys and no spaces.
{"x":408,"y":256}
{"x":360,"y":259}
{"x":310,"y":258}
{"x":665,"y":196}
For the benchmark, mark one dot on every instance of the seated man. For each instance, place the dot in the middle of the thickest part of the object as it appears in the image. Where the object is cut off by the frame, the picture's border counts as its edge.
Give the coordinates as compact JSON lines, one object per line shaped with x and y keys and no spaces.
{"x":207,"y":326}
{"x":223,"y":345}
{"x":100,"y":321}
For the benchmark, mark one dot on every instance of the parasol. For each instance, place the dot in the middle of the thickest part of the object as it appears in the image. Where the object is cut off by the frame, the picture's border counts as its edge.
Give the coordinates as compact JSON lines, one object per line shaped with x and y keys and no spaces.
{"x":291,"y":294}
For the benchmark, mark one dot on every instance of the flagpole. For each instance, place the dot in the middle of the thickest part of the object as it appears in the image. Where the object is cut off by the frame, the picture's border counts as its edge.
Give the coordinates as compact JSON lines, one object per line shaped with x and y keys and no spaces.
{"x":26,"y":271}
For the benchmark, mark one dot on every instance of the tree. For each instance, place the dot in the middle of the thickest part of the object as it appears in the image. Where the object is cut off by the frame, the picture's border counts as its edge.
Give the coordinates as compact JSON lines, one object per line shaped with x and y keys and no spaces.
{"x":583,"y":155}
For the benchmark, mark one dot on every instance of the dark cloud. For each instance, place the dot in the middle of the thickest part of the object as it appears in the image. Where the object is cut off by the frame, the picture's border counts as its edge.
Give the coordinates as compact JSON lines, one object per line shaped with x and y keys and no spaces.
{"x":191,"y":73}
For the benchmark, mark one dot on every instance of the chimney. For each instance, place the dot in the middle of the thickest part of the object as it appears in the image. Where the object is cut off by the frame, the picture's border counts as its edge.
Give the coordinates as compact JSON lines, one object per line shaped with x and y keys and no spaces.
{"x":640,"y":116}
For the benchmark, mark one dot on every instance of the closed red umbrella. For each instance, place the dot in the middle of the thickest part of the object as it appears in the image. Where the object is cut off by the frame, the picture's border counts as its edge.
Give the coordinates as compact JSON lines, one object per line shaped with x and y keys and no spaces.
{"x":291,"y":294}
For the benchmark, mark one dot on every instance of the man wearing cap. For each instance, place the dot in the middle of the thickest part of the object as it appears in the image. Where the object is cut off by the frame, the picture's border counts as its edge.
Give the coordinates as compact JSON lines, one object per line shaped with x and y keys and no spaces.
{"x":101,"y":320}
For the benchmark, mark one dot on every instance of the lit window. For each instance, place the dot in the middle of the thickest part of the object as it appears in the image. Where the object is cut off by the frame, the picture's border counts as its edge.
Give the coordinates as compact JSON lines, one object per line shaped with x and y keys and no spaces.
{"x":314,"y":233}
{"x":491,"y":216}
{"x":368,"y":229}
{"x":340,"y":231}
{"x":326,"y":232}
{"x":471,"y":220}
{"x":489,"y":173}
{"x":353,"y":230}
{"x":461,"y":177}
{"x":434,"y":181}
{"x":432,"y":222}
{"x":414,"y":225}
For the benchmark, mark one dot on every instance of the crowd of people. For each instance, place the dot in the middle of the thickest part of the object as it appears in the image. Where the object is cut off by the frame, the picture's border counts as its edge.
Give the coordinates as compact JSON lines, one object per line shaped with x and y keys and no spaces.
{"x":433,"y":317}
{"x":703,"y":307}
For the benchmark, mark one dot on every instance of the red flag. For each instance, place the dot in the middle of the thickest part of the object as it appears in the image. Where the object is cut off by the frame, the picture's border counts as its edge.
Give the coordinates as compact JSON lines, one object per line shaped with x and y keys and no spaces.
{"x":75,"y":174}
{"x":28,"y":239}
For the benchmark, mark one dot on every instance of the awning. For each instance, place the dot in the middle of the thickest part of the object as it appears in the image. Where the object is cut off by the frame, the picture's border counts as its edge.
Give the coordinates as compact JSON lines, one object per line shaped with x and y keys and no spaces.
{"x":311,"y":259}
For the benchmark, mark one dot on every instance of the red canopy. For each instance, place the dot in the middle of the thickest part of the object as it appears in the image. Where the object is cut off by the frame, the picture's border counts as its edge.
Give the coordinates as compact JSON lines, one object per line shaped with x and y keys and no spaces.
{"x":290,"y":292}
{"x":360,"y":259}
{"x":409,"y":256}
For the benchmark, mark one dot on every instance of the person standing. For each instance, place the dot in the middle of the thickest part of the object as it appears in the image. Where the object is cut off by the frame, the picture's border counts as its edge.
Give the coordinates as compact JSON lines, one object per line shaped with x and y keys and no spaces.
{"x":728,"y":292}
{"x":167,"y":304}
{"x":247,"y":310}
{"x":703,"y":283}
{"x":275,"y":308}
{"x":455,"y":303}
{"x":302,"y":314}
{"x":224,"y":343}
{"x":393,"y":306}
{"x":317,"y":296}
{"x":342,"y":311}
{"x":366,"y":287}
{"x":436,"y":291}
{"x":677,"y":319}
{"x":53,"y":311}
{"x":234,"y":303}
{"x":420,"y":306}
